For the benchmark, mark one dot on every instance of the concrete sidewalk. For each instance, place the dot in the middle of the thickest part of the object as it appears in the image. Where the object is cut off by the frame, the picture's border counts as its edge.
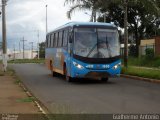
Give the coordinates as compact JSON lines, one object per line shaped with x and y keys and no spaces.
{"x":13,"y":98}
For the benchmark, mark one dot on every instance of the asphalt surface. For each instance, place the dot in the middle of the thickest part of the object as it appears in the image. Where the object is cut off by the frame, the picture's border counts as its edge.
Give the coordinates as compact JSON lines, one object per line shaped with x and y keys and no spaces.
{"x":119,"y":95}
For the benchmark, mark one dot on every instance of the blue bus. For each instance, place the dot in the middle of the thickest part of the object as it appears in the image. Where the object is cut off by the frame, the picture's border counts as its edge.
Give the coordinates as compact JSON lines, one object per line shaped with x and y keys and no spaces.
{"x":84,"y":50}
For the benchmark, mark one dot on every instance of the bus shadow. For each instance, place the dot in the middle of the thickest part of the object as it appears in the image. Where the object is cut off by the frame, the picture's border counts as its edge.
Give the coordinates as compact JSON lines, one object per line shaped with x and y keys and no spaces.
{"x":82,"y":80}
{"x":90,"y":81}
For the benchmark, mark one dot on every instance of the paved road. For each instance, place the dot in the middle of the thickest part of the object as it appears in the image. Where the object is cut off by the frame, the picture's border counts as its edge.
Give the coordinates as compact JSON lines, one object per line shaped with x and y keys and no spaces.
{"x":120,"y":95}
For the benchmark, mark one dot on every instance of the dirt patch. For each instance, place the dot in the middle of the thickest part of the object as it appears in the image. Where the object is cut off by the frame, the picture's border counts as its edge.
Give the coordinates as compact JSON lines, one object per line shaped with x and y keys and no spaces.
{"x":13,"y":98}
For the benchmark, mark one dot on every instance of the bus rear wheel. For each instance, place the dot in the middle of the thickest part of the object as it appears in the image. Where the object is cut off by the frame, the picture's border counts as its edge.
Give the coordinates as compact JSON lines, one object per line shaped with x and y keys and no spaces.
{"x":52,"y":72}
{"x":104,"y":79}
{"x":68,"y":78}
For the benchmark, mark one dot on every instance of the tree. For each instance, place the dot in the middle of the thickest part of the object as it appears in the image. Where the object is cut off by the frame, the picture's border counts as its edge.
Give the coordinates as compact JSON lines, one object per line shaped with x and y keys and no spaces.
{"x":42,"y":50}
{"x":92,"y":5}
{"x":143,"y":17}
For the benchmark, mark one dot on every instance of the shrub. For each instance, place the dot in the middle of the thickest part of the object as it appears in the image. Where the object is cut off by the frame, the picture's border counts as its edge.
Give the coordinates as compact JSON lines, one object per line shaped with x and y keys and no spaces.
{"x":149,"y":52}
{"x":132,"y":50}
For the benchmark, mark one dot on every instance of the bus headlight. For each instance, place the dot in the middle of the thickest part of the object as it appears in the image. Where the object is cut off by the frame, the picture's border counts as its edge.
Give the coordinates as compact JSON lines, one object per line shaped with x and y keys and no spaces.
{"x":78,"y":65}
{"x":116,"y":66}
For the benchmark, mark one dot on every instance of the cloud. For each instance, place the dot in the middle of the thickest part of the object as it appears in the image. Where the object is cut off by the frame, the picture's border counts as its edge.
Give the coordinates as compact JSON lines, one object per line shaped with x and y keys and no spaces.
{"x":25,"y":17}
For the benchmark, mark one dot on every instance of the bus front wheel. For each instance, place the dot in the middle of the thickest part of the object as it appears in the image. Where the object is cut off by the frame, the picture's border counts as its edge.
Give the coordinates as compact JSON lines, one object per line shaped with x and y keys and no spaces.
{"x":68,"y":78}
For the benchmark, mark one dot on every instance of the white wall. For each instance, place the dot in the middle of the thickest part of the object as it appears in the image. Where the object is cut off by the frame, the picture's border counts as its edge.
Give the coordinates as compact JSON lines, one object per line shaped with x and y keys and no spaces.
{"x":19,"y":54}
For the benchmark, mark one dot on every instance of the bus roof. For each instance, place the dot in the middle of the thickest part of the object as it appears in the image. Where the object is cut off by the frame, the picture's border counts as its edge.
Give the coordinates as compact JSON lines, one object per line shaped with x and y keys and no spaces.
{"x":71,"y":24}
{"x":88,"y":23}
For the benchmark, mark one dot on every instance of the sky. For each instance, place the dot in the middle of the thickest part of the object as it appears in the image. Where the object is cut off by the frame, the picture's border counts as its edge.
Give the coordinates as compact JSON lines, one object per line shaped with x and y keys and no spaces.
{"x":24,"y":18}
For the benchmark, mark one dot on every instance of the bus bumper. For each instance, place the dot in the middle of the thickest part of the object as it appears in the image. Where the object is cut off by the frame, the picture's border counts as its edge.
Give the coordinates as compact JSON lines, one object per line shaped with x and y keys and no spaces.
{"x":95,"y":73}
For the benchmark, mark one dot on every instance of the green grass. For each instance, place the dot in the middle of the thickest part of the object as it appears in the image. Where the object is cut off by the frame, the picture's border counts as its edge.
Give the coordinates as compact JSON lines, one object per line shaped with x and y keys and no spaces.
{"x":142,"y":72}
{"x":28,"y":99}
{"x":38,"y":61}
{"x":145,"y":62}
{"x":17,"y":81}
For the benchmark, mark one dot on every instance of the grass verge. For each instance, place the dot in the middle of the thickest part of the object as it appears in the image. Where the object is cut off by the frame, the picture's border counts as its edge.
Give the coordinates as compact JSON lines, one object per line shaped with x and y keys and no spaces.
{"x":144,"y":61}
{"x":142,"y":72}
{"x":9,"y":72}
{"x":28,"y":99}
{"x":38,"y":61}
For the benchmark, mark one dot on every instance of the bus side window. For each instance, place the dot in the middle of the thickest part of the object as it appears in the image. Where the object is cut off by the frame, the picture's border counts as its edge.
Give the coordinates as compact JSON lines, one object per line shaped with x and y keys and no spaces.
{"x":60,"y":39}
{"x":52,"y":39}
{"x":46,"y":41}
{"x":56,"y":38}
{"x":65,"y":38}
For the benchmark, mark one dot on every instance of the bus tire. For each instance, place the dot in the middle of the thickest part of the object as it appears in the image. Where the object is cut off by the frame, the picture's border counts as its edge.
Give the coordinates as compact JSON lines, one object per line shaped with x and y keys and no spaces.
{"x":54,"y":74}
{"x":104,"y":79}
{"x":68,"y":78}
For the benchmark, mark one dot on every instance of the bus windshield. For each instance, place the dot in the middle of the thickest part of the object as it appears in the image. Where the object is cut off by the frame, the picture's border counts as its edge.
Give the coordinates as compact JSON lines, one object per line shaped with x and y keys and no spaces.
{"x":96,"y":43}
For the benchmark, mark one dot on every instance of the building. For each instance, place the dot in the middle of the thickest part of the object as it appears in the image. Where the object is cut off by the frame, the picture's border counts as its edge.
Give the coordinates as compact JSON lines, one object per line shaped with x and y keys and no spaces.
{"x":28,"y":54}
{"x":150,"y":43}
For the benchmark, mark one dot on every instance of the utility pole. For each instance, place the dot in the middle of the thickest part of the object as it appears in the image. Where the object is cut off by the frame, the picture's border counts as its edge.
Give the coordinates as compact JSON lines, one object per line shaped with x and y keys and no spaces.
{"x":125,"y":33}
{"x":46,"y":20}
{"x":19,"y":46}
{"x":31,"y":50}
{"x":23,"y":46}
{"x":38,"y":44}
{"x":4,"y":43}
{"x":94,"y":16}
{"x":105,"y":17}
{"x":14,"y":51}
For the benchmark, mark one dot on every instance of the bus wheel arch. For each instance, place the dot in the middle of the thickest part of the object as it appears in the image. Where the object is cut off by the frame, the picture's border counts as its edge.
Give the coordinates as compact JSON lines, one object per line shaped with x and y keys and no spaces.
{"x":68,"y":78}
{"x":51,"y":66}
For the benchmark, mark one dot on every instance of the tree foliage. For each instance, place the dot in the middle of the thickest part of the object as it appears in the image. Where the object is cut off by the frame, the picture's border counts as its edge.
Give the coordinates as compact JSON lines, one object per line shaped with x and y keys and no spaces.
{"x":143,"y":18}
{"x":143,"y":15}
{"x":83,"y":5}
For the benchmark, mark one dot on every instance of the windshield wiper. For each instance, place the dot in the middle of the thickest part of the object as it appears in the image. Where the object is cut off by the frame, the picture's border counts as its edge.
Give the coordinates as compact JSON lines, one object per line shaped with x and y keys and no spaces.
{"x":99,"y":42}
{"x":93,"y":48}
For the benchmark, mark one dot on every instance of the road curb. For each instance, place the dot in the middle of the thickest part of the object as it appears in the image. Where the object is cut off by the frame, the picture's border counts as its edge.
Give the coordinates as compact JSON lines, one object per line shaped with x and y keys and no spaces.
{"x":141,"y":78}
{"x":36,"y":102}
